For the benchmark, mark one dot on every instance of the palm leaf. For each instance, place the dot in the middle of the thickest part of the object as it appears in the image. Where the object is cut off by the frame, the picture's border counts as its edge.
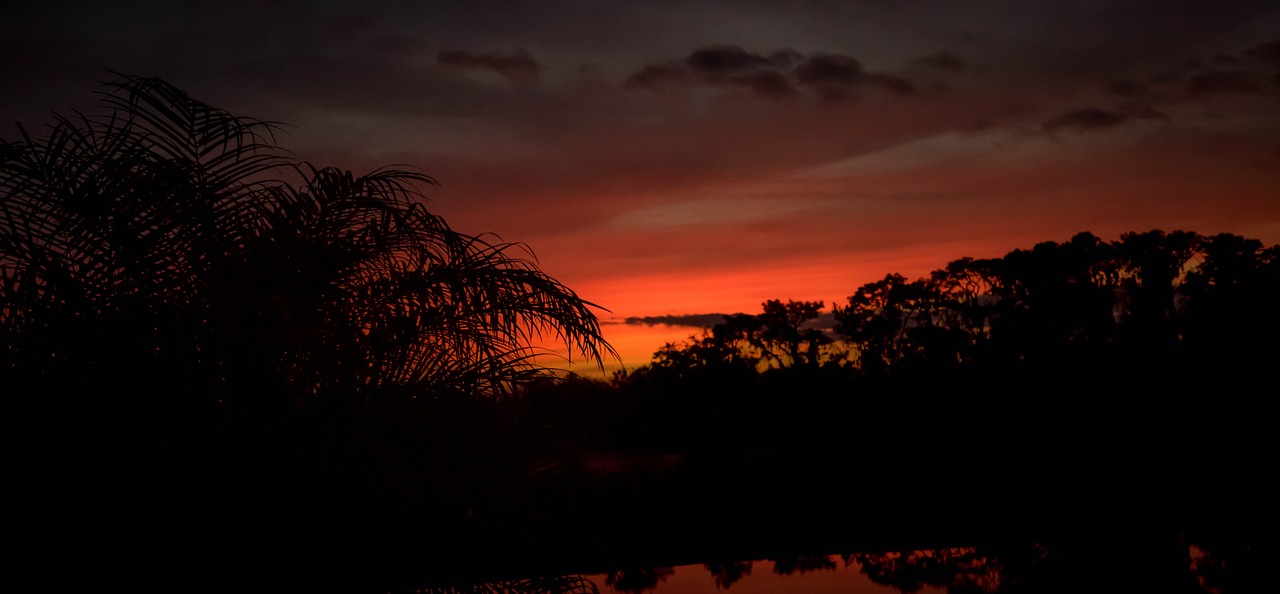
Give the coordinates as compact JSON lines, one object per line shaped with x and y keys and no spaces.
{"x":180,"y":220}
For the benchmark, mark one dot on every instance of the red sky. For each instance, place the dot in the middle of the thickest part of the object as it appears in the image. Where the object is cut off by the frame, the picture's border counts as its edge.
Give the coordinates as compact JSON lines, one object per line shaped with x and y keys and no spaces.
{"x":669,"y":159}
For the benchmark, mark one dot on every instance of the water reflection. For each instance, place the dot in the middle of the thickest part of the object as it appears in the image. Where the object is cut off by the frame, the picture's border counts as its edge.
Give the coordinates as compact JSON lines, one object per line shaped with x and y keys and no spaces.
{"x":959,"y":570}
{"x":728,"y":574}
{"x":1181,"y":567}
{"x":791,"y":565}
{"x":1133,"y":562}
{"x":637,"y":580}
{"x":955,"y":569}
{"x":572,"y":584}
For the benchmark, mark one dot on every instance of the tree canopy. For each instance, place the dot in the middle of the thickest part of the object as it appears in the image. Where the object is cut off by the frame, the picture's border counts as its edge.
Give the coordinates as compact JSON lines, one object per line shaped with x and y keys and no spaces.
{"x":1177,"y":300}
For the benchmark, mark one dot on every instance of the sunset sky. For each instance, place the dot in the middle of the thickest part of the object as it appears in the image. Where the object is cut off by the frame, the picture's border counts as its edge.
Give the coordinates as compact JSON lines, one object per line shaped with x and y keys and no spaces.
{"x":681,"y":158}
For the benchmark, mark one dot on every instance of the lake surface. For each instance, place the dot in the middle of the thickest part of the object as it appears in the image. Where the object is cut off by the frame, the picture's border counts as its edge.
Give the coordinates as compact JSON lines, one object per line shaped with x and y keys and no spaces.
{"x":836,"y":576}
{"x":1123,"y":563}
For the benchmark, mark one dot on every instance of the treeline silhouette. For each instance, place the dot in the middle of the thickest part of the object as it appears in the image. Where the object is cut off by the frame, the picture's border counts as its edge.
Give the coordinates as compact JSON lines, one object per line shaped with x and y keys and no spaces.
{"x":256,"y":366}
{"x":1179,"y":300}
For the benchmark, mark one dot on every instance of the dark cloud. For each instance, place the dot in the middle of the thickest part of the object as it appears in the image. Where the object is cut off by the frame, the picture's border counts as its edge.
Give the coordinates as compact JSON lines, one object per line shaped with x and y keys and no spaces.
{"x":691,"y":320}
{"x":944,"y":60}
{"x":827,"y":69}
{"x":896,"y":84}
{"x":720,"y":59}
{"x":1091,"y":119}
{"x":657,"y":77}
{"x":518,"y":66}
{"x":721,"y":65}
{"x":1267,"y":53}
{"x":730,"y":65}
{"x":1216,"y":82}
{"x":835,"y":77}
{"x":785,"y":58}
{"x":830,"y":76}
{"x":1225,"y":61}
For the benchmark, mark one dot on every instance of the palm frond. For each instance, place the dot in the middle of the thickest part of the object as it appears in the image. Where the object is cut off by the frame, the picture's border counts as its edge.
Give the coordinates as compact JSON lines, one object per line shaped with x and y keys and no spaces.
{"x":193,"y":221}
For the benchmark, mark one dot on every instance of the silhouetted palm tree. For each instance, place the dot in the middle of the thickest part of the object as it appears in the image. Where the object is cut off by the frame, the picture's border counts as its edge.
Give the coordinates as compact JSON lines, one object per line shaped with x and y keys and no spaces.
{"x":171,"y":243}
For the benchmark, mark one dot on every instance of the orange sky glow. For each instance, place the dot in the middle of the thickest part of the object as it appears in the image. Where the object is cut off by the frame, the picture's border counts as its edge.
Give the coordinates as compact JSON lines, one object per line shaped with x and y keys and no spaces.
{"x":701,"y":158}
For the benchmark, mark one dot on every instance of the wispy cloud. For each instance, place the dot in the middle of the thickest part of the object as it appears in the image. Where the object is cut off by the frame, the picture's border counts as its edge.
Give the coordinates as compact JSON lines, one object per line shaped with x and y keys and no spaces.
{"x":1267,"y":53}
{"x":1221,"y":82}
{"x":1091,"y":119}
{"x":657,"y":77}
{"x":716,"y":60}
{"x":690,"y":320}
{"x":517,"y":66}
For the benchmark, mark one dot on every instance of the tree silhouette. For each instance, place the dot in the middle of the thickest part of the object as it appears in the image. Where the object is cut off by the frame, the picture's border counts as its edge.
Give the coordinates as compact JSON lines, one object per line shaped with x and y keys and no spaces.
{"x":782,"y":336}
{"x":1229,"y":313}
{"x":165,"y":242}
{"x":1141,"y":310}
{"x":785,"y":333}
{"x":1155,"y":264}
{"x":892,"y":322}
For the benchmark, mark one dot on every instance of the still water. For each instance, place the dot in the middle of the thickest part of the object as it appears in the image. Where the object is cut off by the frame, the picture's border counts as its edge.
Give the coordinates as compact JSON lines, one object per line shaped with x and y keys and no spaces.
{"x":1098,"y":566}
{"x":826,"y":575}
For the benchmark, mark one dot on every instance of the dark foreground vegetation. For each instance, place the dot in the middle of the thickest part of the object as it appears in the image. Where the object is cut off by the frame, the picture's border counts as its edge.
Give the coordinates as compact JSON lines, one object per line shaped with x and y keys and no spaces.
{"x":225,"y":369}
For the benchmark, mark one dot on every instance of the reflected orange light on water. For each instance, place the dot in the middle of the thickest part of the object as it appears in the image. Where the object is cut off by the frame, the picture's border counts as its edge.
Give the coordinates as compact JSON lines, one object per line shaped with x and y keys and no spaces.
{"x":697,"y":579}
